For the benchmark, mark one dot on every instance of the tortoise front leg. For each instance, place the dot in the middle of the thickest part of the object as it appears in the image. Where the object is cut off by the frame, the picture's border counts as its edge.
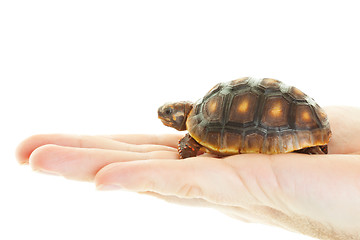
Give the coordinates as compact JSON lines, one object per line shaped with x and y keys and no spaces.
{"x":188,"y":147}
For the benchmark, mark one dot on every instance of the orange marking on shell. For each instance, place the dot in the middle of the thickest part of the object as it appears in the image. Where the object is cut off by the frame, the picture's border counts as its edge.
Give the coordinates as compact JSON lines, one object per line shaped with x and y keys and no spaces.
{"x":243,"y":106}
{"x":212,"y":106}
{"x":306,"y":116}
{"x":276,"y":110}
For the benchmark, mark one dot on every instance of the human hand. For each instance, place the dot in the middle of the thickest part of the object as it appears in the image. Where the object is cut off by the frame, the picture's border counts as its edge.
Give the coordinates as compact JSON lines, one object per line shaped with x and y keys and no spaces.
{"x":317,"y":195}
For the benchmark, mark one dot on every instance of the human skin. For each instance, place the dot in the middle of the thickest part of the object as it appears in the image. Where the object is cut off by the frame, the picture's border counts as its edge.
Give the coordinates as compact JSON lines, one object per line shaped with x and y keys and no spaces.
{"x":317,"y":195}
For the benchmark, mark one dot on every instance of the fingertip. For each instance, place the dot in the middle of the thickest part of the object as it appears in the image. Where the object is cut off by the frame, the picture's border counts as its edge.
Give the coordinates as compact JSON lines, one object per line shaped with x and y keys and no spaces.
{"x":39,"y":158}
{"x":19,"y":153}
{"x":26,"y":147}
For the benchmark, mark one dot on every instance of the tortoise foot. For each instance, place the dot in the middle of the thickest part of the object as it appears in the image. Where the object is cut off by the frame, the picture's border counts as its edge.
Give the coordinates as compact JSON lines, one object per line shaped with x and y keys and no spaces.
{"x":188,"y":147}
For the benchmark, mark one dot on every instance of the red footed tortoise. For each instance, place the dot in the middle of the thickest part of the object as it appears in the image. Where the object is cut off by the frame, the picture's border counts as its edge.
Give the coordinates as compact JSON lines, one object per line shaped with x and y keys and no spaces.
{"x":249,"y":115}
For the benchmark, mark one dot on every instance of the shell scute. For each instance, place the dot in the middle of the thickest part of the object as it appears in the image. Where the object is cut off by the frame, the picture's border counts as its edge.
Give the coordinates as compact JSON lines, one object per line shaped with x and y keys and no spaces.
{"x":297,"y":93}
{"x":272,"y":143}
{"x":304,"y":138}
{"x":232,"y":142}
{"x":270,"y":83}
{"x":213,"y":139}
{"x":253,"y":143}
{"x":289,"y":142}
{"x":239,"y":81}
{"x":321,"y":114}
{"x":242,"y":108}
{"x":304,"y":117}
{"x":213,"y":108}
{"x":276,"y":112}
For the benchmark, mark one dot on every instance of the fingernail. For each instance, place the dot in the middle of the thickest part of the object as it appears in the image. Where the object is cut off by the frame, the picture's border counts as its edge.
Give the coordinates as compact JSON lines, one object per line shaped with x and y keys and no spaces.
{"x":110,"y":187}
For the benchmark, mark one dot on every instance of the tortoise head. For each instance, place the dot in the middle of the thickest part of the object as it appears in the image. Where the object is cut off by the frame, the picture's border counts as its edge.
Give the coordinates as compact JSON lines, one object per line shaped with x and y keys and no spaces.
{"x":175,"y":114}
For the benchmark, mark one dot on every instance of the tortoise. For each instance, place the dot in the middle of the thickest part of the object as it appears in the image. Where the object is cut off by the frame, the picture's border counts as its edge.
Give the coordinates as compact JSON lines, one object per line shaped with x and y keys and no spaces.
{"x":249,"y":115}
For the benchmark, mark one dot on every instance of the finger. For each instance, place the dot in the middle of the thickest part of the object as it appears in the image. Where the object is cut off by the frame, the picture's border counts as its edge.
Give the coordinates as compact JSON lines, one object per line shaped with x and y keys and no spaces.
{"x":84,"y":163}
{"x":170,"y":140}
{"x":345,"y":126}
{"x":206,"y":178}
{"x":80,"y":141}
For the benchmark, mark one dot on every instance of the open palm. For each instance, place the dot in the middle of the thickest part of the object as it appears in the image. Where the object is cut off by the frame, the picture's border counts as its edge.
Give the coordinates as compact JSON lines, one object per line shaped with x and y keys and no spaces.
{"x":318,"y":195}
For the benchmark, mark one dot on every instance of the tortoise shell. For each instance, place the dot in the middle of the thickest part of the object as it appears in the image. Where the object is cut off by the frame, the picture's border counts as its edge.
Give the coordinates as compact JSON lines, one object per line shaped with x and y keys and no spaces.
{"x":250,"y":115}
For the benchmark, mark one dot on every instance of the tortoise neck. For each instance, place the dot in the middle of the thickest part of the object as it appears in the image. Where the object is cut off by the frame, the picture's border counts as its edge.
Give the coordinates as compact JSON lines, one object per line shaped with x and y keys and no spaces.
{"x":188,"y":106}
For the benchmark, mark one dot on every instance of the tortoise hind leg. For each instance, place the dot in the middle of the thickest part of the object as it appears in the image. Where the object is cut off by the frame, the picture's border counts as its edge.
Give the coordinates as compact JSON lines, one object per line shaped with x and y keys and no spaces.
{"x":188,"y":147}
{"x":314,"y":150}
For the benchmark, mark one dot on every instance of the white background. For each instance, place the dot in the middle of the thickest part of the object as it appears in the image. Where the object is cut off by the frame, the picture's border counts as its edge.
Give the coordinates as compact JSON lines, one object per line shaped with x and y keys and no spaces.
{"x":104,"y":67}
